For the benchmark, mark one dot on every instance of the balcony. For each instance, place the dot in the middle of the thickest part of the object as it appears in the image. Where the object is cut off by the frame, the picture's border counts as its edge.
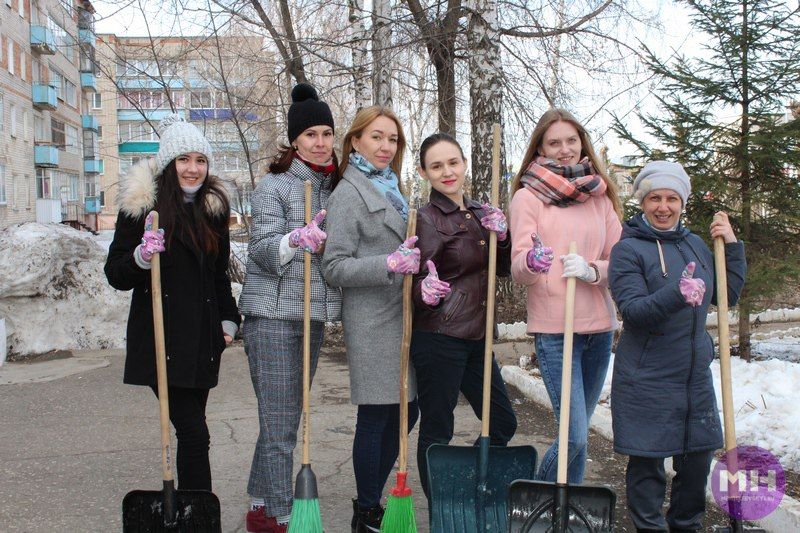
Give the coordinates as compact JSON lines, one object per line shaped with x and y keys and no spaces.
{"x":93,"y":166}
{"x":43,"y":40}
{"x":45,"y":155}
{"x":90,"y":122}
{"x":86,"y":37}
{"x":88,"y":81}
{"x":43,"y":96}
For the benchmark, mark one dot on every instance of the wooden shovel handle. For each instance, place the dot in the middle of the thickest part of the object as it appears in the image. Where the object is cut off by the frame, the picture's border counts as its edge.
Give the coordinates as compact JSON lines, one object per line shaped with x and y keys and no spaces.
{"x":492,"y":272}
{"x":723,"y":330}
{"x":161,"y":360}
{"x":405,"y":347}
{"x":307,"y":334}
{"x":566,"y":377}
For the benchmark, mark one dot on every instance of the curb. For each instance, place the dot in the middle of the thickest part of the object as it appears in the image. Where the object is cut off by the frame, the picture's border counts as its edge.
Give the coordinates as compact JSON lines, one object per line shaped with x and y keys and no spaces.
{"x":785,"y":518}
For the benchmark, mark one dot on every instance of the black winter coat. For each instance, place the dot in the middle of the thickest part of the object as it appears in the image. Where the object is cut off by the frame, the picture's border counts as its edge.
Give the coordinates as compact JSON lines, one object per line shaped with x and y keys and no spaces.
{"x":196,"y":298}
{"x":662,"y":394}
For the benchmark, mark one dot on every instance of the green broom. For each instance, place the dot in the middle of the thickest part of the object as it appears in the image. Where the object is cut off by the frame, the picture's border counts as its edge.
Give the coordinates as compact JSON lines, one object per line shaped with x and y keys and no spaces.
{"x":399,"y":515}
{"x":306,"y":517}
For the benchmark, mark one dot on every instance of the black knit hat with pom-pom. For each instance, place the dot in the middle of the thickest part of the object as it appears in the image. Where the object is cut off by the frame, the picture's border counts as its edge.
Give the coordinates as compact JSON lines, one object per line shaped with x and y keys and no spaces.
{"x":306,"y":111}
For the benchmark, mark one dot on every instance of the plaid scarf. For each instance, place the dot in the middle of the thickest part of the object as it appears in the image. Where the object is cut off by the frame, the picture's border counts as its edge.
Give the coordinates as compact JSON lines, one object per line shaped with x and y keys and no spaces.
{"x":563,"y":186}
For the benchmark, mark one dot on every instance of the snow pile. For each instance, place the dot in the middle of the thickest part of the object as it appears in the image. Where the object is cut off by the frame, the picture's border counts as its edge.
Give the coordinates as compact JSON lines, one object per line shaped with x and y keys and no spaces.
{"x":53,"y":292}
{"x":512,"y":332}
{"x":783,"y":348}
{"x":765,"y":400}
{"x":770,"y":315}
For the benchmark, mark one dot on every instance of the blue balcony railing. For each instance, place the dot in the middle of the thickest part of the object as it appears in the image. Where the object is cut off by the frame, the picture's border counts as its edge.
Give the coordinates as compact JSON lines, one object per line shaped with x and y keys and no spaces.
{"x":43,"y":40}
{"x":88,"y":81}
{"x":45,"y":155}
{"x":93,"y":166}
{"x":90,"y":122}
{"x":43,"y":96}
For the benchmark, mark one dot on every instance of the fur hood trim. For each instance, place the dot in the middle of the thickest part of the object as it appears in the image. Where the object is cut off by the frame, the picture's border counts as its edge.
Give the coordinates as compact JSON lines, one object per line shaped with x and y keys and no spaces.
{"x":137,"y":193}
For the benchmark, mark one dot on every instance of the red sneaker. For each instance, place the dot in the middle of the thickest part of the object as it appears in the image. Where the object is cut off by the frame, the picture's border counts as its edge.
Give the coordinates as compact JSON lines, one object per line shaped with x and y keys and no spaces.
{"x":256,"y":521}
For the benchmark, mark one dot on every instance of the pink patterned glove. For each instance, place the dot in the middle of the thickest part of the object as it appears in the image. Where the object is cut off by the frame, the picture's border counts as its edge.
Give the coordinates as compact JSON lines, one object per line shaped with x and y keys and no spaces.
{"x":433,"y":289}
{"x":404,"y":260}
{"x":152,"y":241}
{"x":692,"y":289}
{"x":540,"y":257}
{"x":495,"y":221}
{"x":310,"y":238}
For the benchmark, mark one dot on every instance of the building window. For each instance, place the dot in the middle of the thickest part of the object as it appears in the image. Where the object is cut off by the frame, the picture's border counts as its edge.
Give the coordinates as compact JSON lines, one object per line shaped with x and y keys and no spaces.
{"x":57,"y":133}
{"x":136,"y":131}
{"x":39,"y":132}
{"x":21,"y":6}
{"x":12,"y":112}
{"x":71,"y":139}
{"x":90,"y":187}
{"x":201,"y":100}
{"x":97,"y":100}
{"x":126,"y":163}
{"x":70,"y":90}
{"x":44,"y":184}
{"x":99,"y":132}
{"x":57,"y":83}
{"x":2,"y":184}
{"x":2,"y":114}
{"x":10,"y":54}
{"x":73,"y":181}
{"x":26,"y":125}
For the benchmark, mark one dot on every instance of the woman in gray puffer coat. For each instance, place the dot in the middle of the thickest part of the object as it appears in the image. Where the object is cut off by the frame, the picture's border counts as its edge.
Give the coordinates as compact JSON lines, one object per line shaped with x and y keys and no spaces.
{"x":272,"y":299}
{"x":661,"y":277}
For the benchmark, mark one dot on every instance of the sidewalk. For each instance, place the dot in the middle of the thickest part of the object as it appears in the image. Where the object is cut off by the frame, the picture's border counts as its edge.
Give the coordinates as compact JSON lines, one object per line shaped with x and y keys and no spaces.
{"x":73,"y":446}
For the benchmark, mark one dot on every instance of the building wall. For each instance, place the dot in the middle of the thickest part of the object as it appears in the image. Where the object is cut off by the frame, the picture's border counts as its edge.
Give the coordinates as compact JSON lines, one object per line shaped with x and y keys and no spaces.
{"x":17,"y":187}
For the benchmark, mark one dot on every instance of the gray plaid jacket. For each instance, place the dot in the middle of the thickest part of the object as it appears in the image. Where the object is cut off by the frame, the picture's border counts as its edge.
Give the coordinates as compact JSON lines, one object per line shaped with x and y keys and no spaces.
{"x":272,"y":290}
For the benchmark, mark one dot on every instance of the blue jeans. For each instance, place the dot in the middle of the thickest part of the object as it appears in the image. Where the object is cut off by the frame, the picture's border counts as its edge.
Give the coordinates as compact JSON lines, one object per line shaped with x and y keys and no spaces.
{"x":590,"y":357}
{"x":376,"y":446}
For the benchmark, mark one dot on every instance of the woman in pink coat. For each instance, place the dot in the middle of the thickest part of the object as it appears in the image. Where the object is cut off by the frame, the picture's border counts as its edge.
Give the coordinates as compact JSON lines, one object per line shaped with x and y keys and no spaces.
{"x":562,"y":194}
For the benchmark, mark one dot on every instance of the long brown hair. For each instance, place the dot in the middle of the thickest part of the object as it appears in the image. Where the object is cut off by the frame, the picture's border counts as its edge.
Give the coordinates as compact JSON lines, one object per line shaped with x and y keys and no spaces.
{"x":191,"y":219}
{"x":364,"y":118}
{"x":550,"y":117}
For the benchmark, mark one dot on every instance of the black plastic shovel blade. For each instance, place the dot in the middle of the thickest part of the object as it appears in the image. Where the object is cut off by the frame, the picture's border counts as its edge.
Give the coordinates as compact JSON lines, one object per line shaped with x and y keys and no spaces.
{"x":531,"y":507}
{"x":196,"y":510}
{"x":455,"y":494}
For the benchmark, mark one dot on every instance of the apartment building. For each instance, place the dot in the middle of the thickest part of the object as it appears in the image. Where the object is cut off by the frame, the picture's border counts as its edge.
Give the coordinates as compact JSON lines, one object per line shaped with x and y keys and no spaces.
{"x":48,"y":162}
{"x":211,"y":82}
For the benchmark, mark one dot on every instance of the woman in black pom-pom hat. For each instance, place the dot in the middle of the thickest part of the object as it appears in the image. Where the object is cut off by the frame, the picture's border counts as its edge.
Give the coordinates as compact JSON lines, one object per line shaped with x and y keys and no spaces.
{"x":200,"y":316}
{"x":272,"y":299}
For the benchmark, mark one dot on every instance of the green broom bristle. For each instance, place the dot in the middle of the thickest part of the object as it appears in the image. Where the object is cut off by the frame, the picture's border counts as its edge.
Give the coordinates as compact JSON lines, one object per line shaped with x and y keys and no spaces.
{"x":399,"y":515}
{"x":306,"y":517}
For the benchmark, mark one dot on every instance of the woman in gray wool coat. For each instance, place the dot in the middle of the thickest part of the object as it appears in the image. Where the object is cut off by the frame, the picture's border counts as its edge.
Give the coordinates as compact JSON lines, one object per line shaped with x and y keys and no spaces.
{"x":366,"y":256}
{"x":661,"y":276}
{"x":272,"y":300}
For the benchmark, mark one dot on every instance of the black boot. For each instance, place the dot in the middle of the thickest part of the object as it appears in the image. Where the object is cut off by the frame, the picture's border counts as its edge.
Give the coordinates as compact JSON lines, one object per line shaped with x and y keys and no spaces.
{"x":366,"y":520}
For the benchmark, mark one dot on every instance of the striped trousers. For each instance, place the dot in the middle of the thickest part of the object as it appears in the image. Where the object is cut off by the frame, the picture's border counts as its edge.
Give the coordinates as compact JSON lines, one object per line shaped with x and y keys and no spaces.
{"x":275,"y":353}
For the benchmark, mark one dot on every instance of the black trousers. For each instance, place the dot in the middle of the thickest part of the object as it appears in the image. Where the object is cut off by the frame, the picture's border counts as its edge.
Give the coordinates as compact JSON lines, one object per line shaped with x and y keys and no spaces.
{"x":446,"y":366}
{"x":646,"y":487}
{"x":187,"y":412}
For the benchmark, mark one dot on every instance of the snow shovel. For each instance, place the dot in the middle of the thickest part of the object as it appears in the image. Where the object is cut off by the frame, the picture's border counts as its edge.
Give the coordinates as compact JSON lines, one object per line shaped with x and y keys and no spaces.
{"x":469,"y":484}
{"x":734,"y":498}
{"x":558,"y":507}
{"x":146,"y":511}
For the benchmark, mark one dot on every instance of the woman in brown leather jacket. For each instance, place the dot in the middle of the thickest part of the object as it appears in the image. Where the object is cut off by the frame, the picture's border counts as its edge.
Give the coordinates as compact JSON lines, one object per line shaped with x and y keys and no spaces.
{"x":447,"y":345}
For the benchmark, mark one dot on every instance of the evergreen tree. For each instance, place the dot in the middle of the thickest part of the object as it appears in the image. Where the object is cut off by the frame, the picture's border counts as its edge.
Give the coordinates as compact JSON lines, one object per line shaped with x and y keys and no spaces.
{"x":724,"y":116}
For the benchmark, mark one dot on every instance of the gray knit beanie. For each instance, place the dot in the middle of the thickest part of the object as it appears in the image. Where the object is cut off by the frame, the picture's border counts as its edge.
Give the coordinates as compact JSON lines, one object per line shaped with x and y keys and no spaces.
{"x":662,"y":175}
{"x":179,"y":137}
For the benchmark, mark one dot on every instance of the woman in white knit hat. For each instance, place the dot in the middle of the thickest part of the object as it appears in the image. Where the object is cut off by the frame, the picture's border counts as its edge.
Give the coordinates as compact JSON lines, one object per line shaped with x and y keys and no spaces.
{"x":661,"y":276}
{"x":200,"y":315}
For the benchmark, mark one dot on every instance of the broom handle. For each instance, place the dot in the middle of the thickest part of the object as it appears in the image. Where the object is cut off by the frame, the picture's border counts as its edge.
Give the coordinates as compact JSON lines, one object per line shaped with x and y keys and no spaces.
{"x":405,"y":347}
{"x":489,"y":337}
{"x":723,"y":331}
{"x":566,"y":377}
{"x":306,"y":334}
{"x":161,"y":360}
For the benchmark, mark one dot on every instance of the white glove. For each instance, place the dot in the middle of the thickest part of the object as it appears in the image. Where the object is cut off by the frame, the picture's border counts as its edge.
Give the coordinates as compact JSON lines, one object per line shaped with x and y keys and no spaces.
{"x":576,"y":266}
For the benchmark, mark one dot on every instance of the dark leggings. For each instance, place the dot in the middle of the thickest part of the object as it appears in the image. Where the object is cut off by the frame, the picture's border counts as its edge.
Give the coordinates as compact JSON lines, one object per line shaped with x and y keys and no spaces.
{"x":187,"y":412}
{"x":375,"y":448}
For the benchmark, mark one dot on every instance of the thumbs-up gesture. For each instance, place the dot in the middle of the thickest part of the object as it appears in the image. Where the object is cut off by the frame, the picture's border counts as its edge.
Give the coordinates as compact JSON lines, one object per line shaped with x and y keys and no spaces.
{"x":152,"y":241}
{"x":404,"y":260}
{"x":495,"y":221}
{"x":433,"y":289}
{"x":692,"y":289}
{"x":540,"y":257}
{"x":310,"y":237}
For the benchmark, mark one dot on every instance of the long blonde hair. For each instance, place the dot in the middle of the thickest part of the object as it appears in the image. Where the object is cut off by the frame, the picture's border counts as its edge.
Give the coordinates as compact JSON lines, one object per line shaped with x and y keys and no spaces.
{"x":550,"y":117}
{"x":364,"y":118}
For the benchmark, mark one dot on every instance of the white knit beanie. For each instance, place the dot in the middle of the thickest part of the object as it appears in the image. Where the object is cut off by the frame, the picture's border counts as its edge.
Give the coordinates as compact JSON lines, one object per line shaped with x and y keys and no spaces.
{"x":179,"y":137}
{"x":662,"y":175}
